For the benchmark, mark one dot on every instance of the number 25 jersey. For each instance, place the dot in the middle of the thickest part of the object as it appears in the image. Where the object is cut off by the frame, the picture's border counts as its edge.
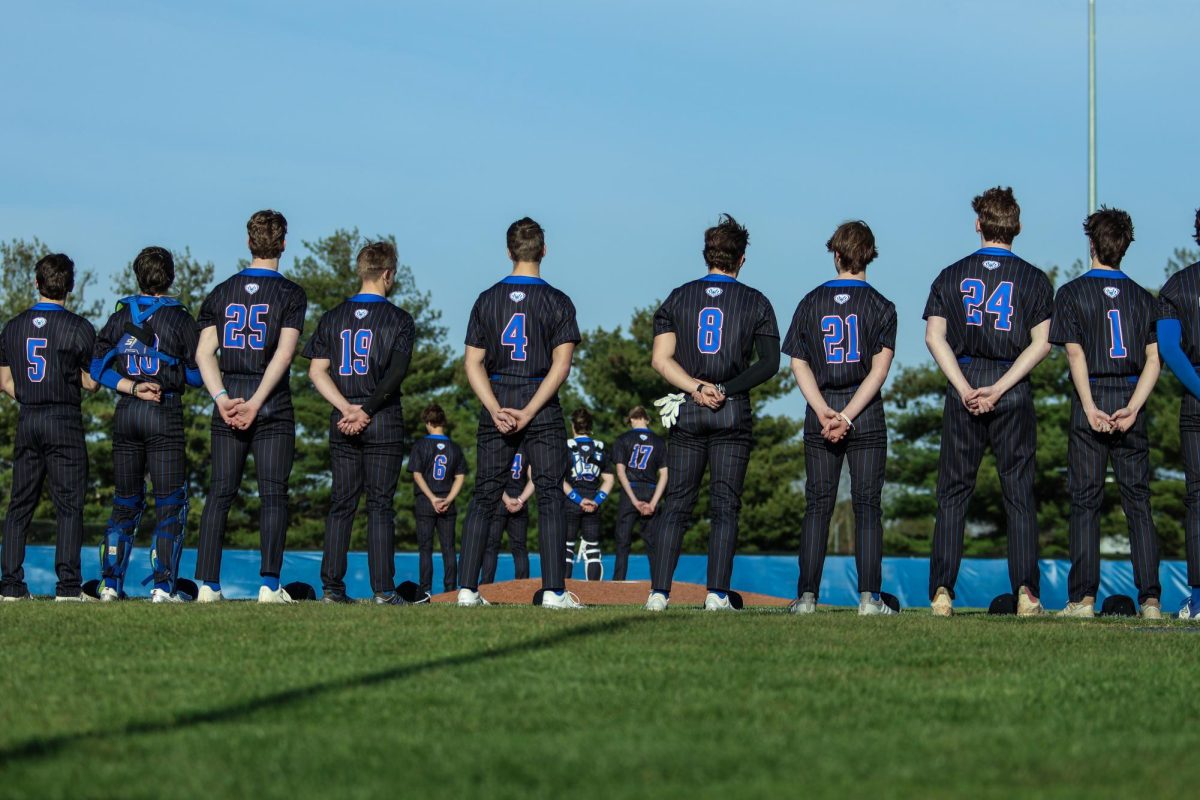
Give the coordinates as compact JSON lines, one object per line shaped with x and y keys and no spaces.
{"x":838,"y":328}
{"x":249,"y":309}
{"x":518,"y":323}
{"x":991,"y":300}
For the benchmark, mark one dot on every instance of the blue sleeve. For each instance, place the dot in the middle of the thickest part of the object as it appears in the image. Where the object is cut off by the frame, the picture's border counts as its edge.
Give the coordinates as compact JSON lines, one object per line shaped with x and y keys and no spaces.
{"x":192,"y":375}
{"x":105,"y":377}
{"x":1170,"y":336}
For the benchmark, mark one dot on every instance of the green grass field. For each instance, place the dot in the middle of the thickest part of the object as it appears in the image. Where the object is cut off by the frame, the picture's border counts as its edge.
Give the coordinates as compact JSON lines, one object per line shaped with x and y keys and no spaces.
{"x":316,"y":701}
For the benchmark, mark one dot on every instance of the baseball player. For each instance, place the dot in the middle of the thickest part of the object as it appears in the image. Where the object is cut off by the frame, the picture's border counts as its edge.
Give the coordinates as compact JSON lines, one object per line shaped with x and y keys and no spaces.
{"x":705,"y":336}
{"x":1179,"y":344}
{"x":520,"y":339}
{"x":842,"y":339}
{"x":254,"y":318}
{"x":987,"y":326}
{"x":588,"y":468}
{"x":146,"y":353}
{"x":360,"y":354}
{"x":512,"y":515}
{"x":640,"y":455}
{"x":1106,"y":322}
{"x":438,"y":469}
{"x":44,"y":356}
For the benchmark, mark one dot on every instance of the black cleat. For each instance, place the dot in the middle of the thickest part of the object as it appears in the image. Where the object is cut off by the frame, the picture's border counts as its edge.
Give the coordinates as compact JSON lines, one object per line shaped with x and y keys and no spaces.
{"x":390,"y":599}
{"x":336,"y":598}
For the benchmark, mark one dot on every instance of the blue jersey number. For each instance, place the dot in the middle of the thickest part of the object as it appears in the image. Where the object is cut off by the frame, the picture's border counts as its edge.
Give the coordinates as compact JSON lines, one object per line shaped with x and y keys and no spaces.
{"x":143,"y":365}
{"x":245,"y":326}
{"x":1116,"y":335}
{"x":640,"y":456}
{"x":439,"y":467}
{"x":37,"y":362}
{"x":1000,"y":303}
{"x":514,"y":337}
{"x":516,"y":467}
{"x":708,"y":330}
{"x":356,"y":351}
{"x":841,"y":339}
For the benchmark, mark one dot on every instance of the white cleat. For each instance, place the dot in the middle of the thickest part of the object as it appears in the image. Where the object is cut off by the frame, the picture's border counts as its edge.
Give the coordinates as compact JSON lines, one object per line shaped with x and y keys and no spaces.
{"x":1078,"y":611}
{"x":804,"y":604}
{"x":1188,"y":611}
{"x":14,"y":598}
{"x":1027,"y":604}
{"x":159,"y":596}
{"x":208,"y":595}
{"x":714,"y":602}
{"x":943,"y":603}
{"x":657,"y":601}
{"x":469,"y":597}
{"x":280,"y":595}
{"x":1151,"y":611}
{"x":108,"y":595}
{"x":868,"y":606}
{"x":560,"y":600}
{"x":75,"y":598}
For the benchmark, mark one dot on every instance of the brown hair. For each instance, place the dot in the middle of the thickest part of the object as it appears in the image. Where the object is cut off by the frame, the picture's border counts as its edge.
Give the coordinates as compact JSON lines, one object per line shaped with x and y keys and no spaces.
{"x":1197,"y":236}
{"x":725,"y":245}
{"x":376,"y":258}
{"x":55,"y":275}
{"x":434,"y":415}
{"x":1110,"y":231}
{"x":999,"y":215}
{"x":854,"y":245}
{"x":155,"y":270}
{"x":526,"y":241}
{"x":581,"y":421}
{"x":637,"y":412}
{"x":267,"y":230}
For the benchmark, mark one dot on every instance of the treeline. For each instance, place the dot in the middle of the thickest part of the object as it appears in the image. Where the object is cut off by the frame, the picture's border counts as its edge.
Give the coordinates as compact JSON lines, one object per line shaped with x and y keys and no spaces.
{"x":612,"y":373}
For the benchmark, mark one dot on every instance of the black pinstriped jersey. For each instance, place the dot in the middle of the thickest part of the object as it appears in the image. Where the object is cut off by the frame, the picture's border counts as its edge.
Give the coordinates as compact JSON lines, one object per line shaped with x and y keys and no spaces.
{"x":359,"y":336}
{"x":643,"y":452}
{"x":438,"y":460}
{"x":991,"y":300}
{"x":1180,"y":299}
{"x":1111,"y":317}
{"x":170,"y":330}
{"x":838,"y":328}
{"x":518,"y":475}
{"x":715,"y":320}
{"x":519,"y":322}
{"x":249,"y":309}
{"x":46,"y":347}
{"x":587,"y":464}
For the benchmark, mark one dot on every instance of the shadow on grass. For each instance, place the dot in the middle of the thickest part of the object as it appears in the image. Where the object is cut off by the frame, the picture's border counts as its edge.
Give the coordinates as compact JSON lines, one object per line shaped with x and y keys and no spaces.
{"x":43,"y":746}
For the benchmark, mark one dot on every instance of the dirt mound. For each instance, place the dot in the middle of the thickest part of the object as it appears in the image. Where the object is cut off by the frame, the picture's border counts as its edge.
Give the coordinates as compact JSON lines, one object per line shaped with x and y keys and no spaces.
{"x":603,"y":593}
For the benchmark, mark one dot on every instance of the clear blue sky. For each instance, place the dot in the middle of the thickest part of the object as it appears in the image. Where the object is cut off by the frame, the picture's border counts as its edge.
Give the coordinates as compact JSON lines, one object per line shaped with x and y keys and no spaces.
{"x":624,"y":127}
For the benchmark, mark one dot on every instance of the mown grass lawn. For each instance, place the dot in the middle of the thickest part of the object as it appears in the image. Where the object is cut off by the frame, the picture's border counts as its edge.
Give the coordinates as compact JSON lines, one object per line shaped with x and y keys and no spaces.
{"x":239,"y":700}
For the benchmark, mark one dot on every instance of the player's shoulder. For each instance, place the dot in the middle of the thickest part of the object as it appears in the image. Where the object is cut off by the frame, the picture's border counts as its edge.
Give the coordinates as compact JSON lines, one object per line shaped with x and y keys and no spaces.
{"x":572,"y":444}
{"x":1188,"y":275}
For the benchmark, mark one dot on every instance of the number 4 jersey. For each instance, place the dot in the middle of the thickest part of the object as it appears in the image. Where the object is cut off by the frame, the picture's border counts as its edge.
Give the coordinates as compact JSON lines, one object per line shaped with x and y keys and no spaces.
{"x":358,"y":337}
{"x":518,"y":323}
{"x":838,"y":328}
{"x":991,"y":300}
{"x":47,"y":348}
{"x":249,"y":309}
{"x":1110,"y":317}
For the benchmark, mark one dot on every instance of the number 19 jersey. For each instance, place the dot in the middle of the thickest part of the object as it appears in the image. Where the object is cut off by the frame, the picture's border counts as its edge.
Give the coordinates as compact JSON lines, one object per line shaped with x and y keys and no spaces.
{"x":838,"y":328}
{"x":715,"y":320}
{"x":518,"y":323}
{"x":359,"y":337}
{"x":249,"y":309}
{"x":991,"y":300}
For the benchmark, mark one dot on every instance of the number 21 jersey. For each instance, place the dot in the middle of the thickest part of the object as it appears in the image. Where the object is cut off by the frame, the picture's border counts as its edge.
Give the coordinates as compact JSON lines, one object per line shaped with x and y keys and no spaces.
{"x":838,"y":329}
{"x":249,"y":309}
{"x":518,"y":323}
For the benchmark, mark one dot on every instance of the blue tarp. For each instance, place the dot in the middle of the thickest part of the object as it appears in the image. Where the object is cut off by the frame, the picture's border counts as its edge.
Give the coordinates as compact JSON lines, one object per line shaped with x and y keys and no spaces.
{"x":979,"y":581}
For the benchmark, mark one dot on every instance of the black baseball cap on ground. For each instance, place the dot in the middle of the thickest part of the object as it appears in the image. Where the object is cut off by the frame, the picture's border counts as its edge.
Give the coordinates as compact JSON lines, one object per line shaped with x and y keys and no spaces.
{"x":411,"y":592}
{"x":891,"y":601}
{"x":187,"y":587}
{"x":1118,"y":605}
{"x":1004,"y":604}
{"x":299,"y":590}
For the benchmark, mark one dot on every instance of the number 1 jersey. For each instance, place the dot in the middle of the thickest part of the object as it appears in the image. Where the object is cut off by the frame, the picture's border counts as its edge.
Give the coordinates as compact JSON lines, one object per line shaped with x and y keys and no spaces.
{"x":838,"y":328}
{"x":249,"y":309}
{"x":518,"y":323}
{"x":1112,"y":318}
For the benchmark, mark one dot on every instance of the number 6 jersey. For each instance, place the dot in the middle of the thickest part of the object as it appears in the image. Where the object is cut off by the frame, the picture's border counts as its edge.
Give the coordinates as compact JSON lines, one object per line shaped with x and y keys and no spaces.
{"x":838,"y":328}
{"x":249,"y":309}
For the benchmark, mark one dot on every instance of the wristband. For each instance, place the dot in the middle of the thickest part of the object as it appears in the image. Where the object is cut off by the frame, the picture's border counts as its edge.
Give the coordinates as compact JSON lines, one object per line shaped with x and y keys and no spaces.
{"x":846,"y":420}
{"x":218,"y":394}
{"x":600,"y":497}
{"x":575,"y":497}
{"x":699,"y":388}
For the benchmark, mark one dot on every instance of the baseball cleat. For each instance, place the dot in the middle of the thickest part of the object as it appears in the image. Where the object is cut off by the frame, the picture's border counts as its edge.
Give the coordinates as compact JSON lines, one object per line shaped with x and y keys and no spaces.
{"x":160,"y":596}
{"x":470,"y":597}
{"x":1027,"y":604}
{"x":804,"y":604}
{"x":560,"y":600}
{"x":12,"y":598}
{"x":1186,"y":611}
{"x":1151,"y":611}
{"x":108,"y":594}
{"x":716,"y":602}
{"x":657,"y":601}
{"x":943,"y":604}
{"x":74,"y":598}
{"x":871,"y":604}
{"x":336,"y":598}
{"x":389,"y":599}
{"x":280,"y":595}
{"x":1078,"y":611}
{"x":209,"y":595}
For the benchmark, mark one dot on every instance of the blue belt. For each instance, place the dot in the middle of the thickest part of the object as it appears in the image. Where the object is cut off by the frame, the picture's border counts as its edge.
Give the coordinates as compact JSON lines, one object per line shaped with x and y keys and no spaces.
{"x":1132,"y":379}
{"x":964,"y":360}
{"x":498,"y":378}
{"x":644,"y":483}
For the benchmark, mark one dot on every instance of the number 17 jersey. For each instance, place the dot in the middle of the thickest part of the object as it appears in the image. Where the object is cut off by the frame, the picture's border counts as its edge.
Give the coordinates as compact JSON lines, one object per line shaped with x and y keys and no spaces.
{"x":249,"y":309}
{"x":518,"y":323}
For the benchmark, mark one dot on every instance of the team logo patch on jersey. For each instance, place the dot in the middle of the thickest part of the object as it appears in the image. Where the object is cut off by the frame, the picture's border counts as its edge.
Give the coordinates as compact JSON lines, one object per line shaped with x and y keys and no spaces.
{"x":714,"y":291}
{"x":1111,"y":291}
{"x":441,"y":445}
{"x":360,"y":313}
{"x":251,"y":287}
{"x":991,"y":264}
{"x":841,"y":299}
{"x":516,"y":297}
{"x":39,"y":322}
{"x":642,"y":436}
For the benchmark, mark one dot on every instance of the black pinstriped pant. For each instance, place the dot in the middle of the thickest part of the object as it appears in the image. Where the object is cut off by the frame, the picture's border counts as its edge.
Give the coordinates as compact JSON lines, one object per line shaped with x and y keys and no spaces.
{"x":1189,"y":441}
{"x":1011,"y":429}
{"x":430,"y":522}
{"x":49,"y":444}
{"x":628,"y":517}
{"x":1088,"y":454}
{"x":148,"y":437}
{"x":517,"y":526}
{"x":272,"y":440}
{"x":579,"y":523}
{"x":719,"y":441}
{"x":865,"y":447}
{"x":372,"y":460}
{"x":545,"y":445}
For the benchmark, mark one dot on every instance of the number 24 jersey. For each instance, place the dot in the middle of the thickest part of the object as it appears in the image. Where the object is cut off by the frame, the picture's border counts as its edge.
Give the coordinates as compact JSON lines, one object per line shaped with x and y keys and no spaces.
{"x":249,"y":310}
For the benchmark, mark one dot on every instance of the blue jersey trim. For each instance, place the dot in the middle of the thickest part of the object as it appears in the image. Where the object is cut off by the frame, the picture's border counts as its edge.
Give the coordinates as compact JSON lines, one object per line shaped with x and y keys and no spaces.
{"x":47,"y":307}
{"x":437,"y":436}
{"x":639,"y":429}
{"x":259,"y":272}
{"x":719,"y":278}
{"x":583,"y":438}
{"x":524,"y":280}
{"x":1115,"y":274}
{"x":993,"y":251}
{"x":368,"y":298}
{"x":846,"y":282}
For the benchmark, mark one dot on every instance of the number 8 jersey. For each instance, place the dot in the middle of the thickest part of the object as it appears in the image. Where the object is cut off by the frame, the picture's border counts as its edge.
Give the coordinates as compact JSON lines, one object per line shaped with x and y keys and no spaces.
{"x":838,"y":328}
{"x":518,"y":323}
{"x":991,"y":300}
{"x":249,"y":309}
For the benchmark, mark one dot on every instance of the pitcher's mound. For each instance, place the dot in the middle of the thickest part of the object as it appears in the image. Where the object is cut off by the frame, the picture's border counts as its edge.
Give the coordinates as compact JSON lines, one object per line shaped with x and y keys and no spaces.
{"x":604,"y":593}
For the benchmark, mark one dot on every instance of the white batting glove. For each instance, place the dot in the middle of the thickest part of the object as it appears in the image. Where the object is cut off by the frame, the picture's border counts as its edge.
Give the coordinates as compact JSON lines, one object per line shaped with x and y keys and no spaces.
{"x":668,"y":408}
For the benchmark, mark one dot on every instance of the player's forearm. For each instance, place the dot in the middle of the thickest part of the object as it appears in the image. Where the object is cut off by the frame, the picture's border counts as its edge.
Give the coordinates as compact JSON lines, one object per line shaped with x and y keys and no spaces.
{"x":206,"y":362}
{"x":456,"y":488}
{"x":6,"y":382}
{"x":1077,"y":363}
{"x":88,"y":383}
{"x":947,"y":362}
{"x":868,"y":390}
{"x":481,"y":384}
{"x":661,"y":488}
{"x":625,"y":485}
{"x":1031,"y":356}
{"x":556,"y":376}
{"x":277,"y":369}
{"x":423,"y":487}
{"x":606,"y":482}
{"x":808,"y":386}
{"x":662,"y":358}
{"x":1146,"y":380}
{"x":318,"y":373}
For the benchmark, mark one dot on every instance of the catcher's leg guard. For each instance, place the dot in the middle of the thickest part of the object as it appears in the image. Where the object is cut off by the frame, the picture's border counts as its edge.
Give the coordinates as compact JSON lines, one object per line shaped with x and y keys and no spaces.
{"x":117,"y":545}
{"x":571,"y":557}
{"x":171,"y":510}
{"x":593,"y":566}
